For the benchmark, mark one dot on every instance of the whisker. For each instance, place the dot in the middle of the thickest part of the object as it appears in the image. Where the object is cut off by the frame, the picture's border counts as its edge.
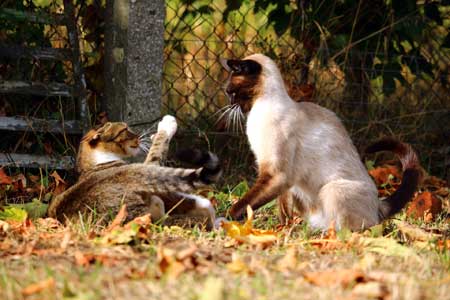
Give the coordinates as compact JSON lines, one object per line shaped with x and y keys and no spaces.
{"x":220,"y":110}
{"x":229,"y":117}
{"x":235,"y":119}
{"x":241,"y":119}
{"x":229,"y":108}
{"x":144,"y":149}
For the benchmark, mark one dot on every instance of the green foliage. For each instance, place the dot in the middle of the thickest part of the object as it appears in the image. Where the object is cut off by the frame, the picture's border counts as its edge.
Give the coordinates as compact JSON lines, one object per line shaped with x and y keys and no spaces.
{"x":11,"y":213}
{"x":35,"y":209}
{"x":356,"y":26}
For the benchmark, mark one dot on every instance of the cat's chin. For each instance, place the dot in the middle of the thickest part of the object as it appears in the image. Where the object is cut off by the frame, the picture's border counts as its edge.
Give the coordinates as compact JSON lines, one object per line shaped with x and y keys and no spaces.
{"x":133,"y":152}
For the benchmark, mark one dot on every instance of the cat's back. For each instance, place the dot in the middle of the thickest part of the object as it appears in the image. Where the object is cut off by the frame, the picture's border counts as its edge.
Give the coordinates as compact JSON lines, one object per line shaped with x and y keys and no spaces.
{"x":319,"y":114}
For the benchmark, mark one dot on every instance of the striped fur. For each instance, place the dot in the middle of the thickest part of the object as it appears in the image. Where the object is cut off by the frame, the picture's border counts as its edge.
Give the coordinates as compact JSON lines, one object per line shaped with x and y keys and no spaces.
{"x":144,"y":187}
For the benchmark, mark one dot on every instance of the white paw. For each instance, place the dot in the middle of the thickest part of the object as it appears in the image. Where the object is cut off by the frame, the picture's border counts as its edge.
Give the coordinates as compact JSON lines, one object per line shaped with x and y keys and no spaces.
{"x":168,"y":124}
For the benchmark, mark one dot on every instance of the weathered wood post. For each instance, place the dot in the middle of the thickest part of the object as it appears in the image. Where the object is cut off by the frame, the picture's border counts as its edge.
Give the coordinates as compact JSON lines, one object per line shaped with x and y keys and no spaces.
{"x":134,"y":41}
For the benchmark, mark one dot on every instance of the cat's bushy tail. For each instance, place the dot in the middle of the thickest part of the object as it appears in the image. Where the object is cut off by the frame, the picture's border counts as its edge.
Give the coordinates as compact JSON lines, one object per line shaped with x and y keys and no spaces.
{"x":411,"y":174}
{"x":211,"y":168}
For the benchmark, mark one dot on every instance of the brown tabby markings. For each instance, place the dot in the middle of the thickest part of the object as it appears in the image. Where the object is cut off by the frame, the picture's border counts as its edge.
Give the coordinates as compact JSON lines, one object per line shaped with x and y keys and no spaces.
{"x":144,"y":187}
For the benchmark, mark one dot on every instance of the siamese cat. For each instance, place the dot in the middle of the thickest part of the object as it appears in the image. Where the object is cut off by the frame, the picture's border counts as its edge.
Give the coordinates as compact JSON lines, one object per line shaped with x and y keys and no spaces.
{"x":305,"y":156}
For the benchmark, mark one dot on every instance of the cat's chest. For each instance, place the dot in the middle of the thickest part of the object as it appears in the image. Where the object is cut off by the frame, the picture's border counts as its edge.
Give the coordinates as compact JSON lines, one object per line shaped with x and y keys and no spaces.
{"x":262,"y":131}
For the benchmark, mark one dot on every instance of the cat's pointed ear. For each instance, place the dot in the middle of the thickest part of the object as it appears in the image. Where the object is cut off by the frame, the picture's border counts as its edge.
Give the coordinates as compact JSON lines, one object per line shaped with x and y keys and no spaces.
{"x":231,"y":65}
{"x":94,"y":139}
{"x":224,"y":63}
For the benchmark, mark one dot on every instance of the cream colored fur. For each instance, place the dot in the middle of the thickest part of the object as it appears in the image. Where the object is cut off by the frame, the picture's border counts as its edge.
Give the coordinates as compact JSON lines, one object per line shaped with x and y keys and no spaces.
{"x":307,"y":149}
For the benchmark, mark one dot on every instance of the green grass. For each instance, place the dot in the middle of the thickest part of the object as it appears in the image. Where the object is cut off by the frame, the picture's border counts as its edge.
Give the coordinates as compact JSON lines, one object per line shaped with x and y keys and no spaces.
{"x":406,"y":268}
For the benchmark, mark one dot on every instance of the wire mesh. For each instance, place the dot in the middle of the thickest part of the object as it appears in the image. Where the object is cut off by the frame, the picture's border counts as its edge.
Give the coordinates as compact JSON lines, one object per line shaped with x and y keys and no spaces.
{"x":415,"y":109}
{"x":351,"y":81}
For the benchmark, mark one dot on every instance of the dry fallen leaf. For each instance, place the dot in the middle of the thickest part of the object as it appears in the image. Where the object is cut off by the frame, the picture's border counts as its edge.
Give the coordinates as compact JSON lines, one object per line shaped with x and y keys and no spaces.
{"x":237,"y":265}
{"x":424,"y":205}
{"x":381,"y":174}
{"x":443,"y":245}
{"x":119,"y":219}
{"x":4,"y":179}
{"x":138,"y":228}
{"x":331,"y":231}
{"x":60,"y":184}
{"x":38,"y":287}
{"x":48,"y":223}
{"x":289,"y":260}
{"x":172,"y":262}
{"x":344,"y":277}
{"x":415,"y":233}
{"x":86,"y":259}
{"x":245,"y":233}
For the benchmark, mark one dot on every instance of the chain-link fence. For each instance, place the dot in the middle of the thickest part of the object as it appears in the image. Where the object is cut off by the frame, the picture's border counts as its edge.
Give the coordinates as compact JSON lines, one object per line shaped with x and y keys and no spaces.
{"x":383,"y":69}
{"x":376,"y":92}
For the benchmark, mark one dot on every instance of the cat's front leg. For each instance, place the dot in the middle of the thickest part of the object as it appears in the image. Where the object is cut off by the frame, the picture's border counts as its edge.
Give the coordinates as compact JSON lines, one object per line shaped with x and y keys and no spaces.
{"x":167,"y":127}
{"x":267,"y":187}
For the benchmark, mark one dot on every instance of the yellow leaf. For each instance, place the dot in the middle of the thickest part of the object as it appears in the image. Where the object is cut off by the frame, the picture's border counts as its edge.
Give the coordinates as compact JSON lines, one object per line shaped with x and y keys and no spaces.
{"x":245,"y":233}
{"x":237,"y":265}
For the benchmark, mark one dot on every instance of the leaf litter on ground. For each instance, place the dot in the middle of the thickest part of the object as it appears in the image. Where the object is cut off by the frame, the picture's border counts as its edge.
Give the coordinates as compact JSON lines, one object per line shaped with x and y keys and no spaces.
{"x":247,"y":234}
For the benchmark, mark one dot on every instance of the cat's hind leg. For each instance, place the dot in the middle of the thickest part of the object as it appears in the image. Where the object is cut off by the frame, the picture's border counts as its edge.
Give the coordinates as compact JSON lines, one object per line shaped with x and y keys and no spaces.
{"x":285,"y":204}
{"x":195,"y":205}
{"x":349,"y":203}
{"x":291,"y":203}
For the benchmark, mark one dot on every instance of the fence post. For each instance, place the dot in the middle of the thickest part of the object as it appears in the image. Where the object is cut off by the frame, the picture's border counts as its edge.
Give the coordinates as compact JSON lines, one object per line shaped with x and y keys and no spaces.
{"x":134,"y":42}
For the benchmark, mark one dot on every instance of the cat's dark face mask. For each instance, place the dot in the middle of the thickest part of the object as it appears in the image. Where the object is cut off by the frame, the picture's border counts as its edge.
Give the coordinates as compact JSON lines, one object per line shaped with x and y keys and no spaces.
{"x":243,"y":82}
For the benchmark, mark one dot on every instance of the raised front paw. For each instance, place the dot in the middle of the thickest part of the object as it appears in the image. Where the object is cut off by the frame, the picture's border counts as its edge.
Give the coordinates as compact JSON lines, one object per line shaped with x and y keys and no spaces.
{"x":168,"y":124}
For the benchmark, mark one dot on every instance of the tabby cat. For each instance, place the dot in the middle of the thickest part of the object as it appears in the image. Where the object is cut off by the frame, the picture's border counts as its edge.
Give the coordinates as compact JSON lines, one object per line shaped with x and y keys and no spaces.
{"x":305,"y":156}
{"x":106,"y":180}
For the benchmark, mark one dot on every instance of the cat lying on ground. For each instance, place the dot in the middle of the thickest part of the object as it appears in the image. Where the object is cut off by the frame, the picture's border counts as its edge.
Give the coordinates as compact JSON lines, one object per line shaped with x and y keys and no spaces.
{"x":106,"y":181}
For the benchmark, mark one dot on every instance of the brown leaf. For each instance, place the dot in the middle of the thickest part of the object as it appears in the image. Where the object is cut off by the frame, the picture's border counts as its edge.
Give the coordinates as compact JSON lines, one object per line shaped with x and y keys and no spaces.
{"x":168,"y":263}
{"x":187,"y":252}
{"x":38,"y":287}
{"x":423,"y":205}
{"x":381,"y":174}
{"x":237,"y":265}
{"x":331,"y":231}
{"x":119,"y":219}
{"x":326,"y":245}
{"x":48,"y":149}
{"x":443,"y":245}
{"x":61,"y":185}
{"x":415,"y":233}
{"x":19,"y":182}
{"x":344,"y":277}
{"x":48,"y":223}
{"x":87,"y":259}
{"x":4,"y":179}
{"x":289,"y":260}
{"x":143,"y":221}
{"x":82,"y":259}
